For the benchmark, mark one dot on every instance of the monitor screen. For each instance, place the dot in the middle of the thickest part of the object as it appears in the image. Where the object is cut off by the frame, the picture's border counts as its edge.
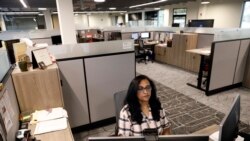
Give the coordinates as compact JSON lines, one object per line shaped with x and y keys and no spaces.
{"x":229,"y":125}
{"x":161,"y":138}
{"x":145,"y":35}
{"x":135,"y":36}
{"x":56,"y":40}
{"x":201,"y":23}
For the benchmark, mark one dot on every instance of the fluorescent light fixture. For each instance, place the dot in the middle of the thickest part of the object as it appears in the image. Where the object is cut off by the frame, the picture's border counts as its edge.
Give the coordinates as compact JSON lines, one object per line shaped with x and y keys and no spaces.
{"x":19,"y":13}
{"x":205,"y":2}
{"x":42,"y":9}
{"x":40,"y":14}
{"x":94,"y":12}
{"x":34,"y":19}
{"x":99,"y":0}
{"x":112,"y":8}
{"x":150,"y":3}
{"x":23,"y":3}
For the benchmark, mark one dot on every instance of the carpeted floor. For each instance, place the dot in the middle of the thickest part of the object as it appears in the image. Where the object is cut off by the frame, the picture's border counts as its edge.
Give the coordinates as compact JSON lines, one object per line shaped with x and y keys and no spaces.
{"x":188,"y":115}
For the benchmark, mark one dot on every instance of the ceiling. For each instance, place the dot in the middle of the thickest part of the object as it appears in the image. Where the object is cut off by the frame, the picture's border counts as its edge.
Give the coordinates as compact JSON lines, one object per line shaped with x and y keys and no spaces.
{"x":82,"y":5}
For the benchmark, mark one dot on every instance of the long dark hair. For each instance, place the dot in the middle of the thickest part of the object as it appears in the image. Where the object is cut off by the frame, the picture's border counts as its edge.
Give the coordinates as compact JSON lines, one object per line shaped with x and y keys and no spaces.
{"x":133,"y":101}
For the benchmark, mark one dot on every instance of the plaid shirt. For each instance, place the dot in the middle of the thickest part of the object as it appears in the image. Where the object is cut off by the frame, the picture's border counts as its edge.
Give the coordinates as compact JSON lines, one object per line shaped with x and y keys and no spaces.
{"x":127,"y":127}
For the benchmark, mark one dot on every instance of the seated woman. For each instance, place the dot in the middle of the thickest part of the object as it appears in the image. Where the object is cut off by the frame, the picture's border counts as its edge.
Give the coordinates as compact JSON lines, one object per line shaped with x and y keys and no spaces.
{"x":142,"y":110}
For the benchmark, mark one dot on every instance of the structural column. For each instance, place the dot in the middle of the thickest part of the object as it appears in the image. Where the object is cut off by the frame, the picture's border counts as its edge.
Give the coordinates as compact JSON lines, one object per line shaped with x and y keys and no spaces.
{"x":3,"y":26}
{"x":66,"y":21}
{"x":48,"y":19}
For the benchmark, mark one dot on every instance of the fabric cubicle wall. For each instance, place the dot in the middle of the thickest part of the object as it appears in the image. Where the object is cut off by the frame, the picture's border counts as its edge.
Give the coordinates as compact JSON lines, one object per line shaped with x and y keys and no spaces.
{"x":228,"y":64}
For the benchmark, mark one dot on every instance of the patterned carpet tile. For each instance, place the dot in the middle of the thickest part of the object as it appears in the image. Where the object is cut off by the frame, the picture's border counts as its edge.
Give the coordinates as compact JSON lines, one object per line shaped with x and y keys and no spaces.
{"x":186,"y":114}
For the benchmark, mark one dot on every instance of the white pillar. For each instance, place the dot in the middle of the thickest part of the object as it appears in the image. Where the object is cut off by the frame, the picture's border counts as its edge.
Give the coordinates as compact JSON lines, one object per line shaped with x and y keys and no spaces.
{"x":66,"y":21}
{"x":48,"y":19}
{"x":143,"y":19}
{"x":3,"y":26}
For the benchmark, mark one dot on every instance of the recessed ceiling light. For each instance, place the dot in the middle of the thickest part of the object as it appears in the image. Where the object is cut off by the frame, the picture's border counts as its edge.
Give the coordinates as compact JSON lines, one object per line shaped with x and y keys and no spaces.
{"x":99,"y":0}
{"x":42,"y":9}
{"x":157,"y":8}
{"x":112,"y":8}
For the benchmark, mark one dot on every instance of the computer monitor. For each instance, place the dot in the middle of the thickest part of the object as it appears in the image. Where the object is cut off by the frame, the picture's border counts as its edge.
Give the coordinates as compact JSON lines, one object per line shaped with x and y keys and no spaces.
{"x":160,"y":138}
{"x":229,"y":126}
{"x":145,"y":35}
{"x":56,"y":40}
{"x":119,"y":138}
{"x":184,"y":138}
{"x":135,"y":36}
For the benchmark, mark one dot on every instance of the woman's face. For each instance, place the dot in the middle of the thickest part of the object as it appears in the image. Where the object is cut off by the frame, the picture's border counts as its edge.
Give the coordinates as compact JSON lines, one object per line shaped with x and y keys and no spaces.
{"x":144,"y":91}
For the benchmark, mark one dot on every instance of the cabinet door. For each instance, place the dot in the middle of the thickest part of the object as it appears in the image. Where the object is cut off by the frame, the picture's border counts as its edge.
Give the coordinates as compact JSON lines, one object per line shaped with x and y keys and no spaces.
{"x":38,"y":90}
{"x":74,"y":91}
{"x":174,"y":51}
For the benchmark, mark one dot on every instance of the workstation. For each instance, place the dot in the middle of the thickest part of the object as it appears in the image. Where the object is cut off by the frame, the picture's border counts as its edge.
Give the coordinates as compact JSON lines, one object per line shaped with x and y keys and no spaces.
{"x":88,"y":70}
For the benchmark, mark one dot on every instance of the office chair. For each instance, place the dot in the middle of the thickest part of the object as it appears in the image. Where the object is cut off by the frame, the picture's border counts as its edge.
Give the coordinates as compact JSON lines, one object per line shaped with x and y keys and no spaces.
{"x":148,"y":53}
{"x":140,"y":55}
{"x":119,"y":100}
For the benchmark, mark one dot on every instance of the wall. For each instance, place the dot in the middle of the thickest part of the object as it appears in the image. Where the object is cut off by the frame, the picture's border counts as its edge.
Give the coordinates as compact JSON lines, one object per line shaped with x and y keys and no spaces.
{"x":99,"y":20}
{"x":55,"y":21}
{"x":226,"y":13}
{"x":192,"y":10}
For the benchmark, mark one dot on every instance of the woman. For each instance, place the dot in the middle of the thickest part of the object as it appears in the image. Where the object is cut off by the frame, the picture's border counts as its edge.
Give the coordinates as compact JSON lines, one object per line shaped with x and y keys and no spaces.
{"x":142,"y":110}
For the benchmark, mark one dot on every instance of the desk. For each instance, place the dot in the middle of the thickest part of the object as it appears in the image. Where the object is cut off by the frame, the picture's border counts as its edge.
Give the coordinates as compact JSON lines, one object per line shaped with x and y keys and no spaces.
{"x":61,"y":135}
{"x":203,"y":52}
{"x":208,"y":130}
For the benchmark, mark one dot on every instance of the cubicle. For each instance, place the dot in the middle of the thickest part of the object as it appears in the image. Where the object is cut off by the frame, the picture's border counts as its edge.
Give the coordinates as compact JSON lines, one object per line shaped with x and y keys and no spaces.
{"x":91,"y":73}
{"x":228,"y":65}
{"x":8,"y":100}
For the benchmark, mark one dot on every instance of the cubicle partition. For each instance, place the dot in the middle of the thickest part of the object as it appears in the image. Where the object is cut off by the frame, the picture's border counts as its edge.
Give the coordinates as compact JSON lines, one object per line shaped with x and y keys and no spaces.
{"x":227,"y":65}
{"x":91,"y":73}
{"x":8,"y":101}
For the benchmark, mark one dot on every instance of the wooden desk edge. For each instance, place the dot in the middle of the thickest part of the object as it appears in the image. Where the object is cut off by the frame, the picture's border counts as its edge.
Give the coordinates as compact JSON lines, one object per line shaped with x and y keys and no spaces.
{"x":60,"y":135}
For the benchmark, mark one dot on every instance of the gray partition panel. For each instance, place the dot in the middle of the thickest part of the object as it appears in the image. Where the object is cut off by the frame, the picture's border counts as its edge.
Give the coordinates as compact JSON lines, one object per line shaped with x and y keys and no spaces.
{"x":246,"y":81}
{"x":9,"y":89}
{"x":204,"y":40}
{"x":224,"y":64}
{"x":241,"y":62}
{"x":105,"y":76}
{"x":74,"y":91}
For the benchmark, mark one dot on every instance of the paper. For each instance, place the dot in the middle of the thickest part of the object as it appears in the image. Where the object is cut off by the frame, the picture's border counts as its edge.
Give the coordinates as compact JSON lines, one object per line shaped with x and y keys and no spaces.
{"x":50,"y":125}
{"x":126,"y":45}
{"x":6,"y":100}
{"x":49,"y":114}
{"x":19,"y":50}
{"x":215,"y":137}
{"x":5,"y":113}
{"x":42,"y":55}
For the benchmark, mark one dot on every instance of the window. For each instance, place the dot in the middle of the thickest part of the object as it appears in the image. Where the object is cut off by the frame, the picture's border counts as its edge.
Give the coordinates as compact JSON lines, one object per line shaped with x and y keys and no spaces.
{"x":179,"y":17}
{"x":245,"y":21}
{"x":24,"y":22}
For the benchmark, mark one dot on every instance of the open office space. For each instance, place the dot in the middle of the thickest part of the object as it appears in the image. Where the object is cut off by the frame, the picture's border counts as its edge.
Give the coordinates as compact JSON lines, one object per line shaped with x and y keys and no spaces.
{"x":83,"y":52}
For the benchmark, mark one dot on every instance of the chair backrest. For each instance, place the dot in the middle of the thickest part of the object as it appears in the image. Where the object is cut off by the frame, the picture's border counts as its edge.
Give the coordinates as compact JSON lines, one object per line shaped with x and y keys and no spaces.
{"x":141,"y":43}
{"x":119,"y":98}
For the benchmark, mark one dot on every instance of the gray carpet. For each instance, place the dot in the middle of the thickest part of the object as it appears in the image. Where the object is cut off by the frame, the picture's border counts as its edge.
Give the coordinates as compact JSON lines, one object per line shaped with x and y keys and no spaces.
{"x":188,"y":115}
